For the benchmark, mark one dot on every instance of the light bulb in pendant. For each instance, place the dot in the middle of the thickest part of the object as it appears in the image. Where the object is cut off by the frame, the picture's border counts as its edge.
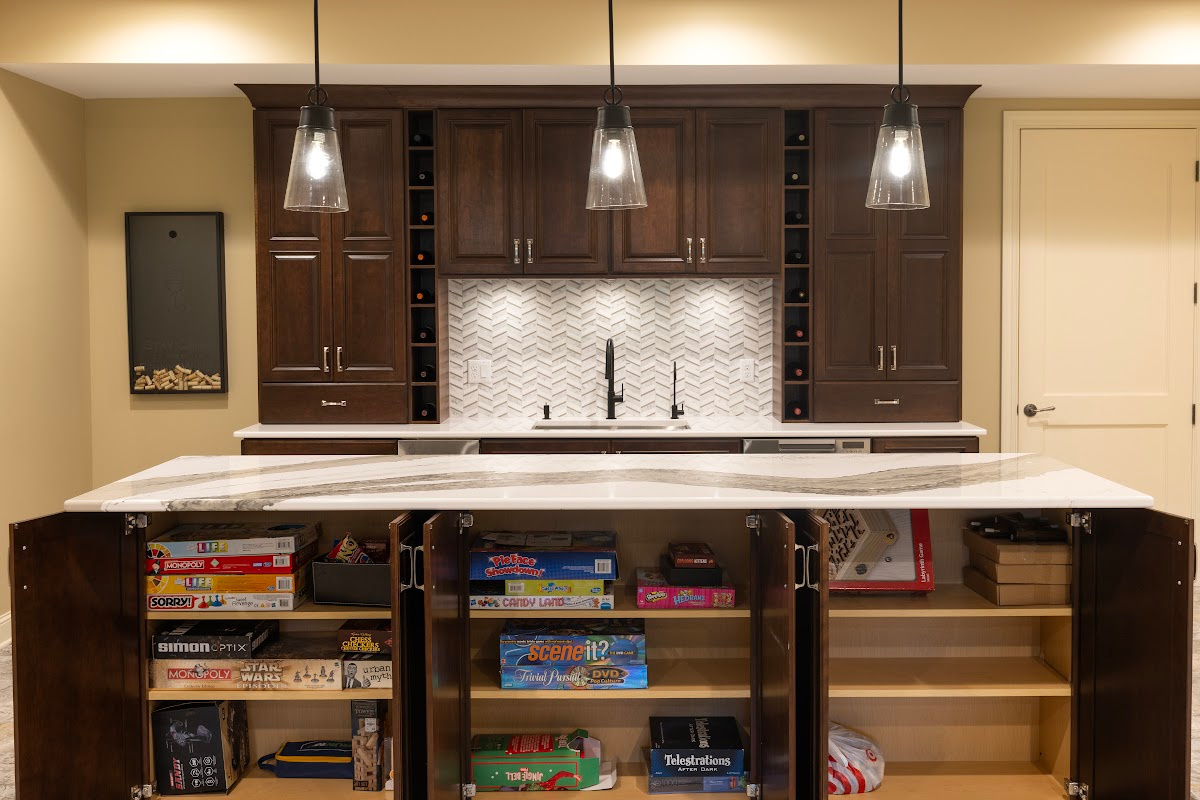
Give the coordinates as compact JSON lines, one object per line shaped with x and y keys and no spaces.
{"x":900,"y":159}
{"x":613,"y":161}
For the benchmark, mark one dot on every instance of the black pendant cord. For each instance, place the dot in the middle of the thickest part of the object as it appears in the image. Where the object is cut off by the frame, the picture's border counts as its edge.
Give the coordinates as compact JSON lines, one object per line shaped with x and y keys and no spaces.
{"x":614,"y":95}
{"x":900,"y":94}
{"x":316,"y":95}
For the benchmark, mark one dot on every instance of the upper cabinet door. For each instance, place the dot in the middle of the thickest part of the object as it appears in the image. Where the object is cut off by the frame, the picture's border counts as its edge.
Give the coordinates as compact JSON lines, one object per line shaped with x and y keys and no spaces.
{"x":76,"y":590}
{"x":372,"y":145}
{"x":275,"y":135}
{"x":1132,"y":687}
{"x":295,"y":327}
{"x":739,"y":182}
{"x":368,"y":314}
{"x":941,"y":135}
{"x":845,"y":150}
{"x":561,"y":235}
{"x":479,"y":192}
{"x":661,"y":238}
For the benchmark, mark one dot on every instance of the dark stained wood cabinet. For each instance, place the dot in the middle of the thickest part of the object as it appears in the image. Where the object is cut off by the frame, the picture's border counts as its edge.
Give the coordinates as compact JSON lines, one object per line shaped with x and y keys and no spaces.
{"x":319,"y":447}
{"x":925,"y":444}
{"x":542,"y":446}
{"x":623,"y":445}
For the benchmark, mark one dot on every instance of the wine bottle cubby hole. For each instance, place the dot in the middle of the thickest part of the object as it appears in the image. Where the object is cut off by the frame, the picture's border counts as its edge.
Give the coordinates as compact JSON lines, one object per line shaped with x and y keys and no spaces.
{"x":425,"y":403}
{"x":420,"y":129}
{"x":795,"y":207}
{"x":420,"y":167}
{"x":796,"y":129}
{"x":795,"y":325}
{"x":422,"y":286}
{"x":795,"y":172}
{"x":424,"y":325}
{"x":421,"y":208}
{"x":422,"y":249}
{"x":795,"y":243}
{"x":426,"y":312}
{"x":795,"y":286}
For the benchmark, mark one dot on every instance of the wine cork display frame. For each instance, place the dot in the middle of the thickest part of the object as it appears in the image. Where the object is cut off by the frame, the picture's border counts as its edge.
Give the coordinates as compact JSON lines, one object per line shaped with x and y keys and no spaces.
{"x":794,"y":302}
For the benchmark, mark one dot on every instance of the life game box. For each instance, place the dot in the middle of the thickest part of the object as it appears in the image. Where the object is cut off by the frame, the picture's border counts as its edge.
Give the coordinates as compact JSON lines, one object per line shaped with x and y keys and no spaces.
{"x":265,"y":564}
{"x":567,"y":642}
{"x":879,"y":551}
{"x":224,"y":639}
{"x":544,"y":555}
{"x":283,"y":665}
{"x":580,"y":676}
{"x":232,"y":539}
{"x":222,"y":583}
{"x":534,"y":761}
{"x":696,"y":746}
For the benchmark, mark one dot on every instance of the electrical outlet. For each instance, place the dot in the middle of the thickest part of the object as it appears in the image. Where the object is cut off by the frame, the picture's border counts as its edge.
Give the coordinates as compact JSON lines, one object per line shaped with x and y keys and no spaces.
{"x":746,"y":369}
{"x":479,"y":370}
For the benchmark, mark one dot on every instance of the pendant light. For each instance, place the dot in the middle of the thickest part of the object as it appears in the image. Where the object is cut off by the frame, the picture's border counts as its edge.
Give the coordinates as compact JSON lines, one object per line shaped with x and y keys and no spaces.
{"x":316,"y":181}
{"x":615,"y":175}
{"x":898,"y":181}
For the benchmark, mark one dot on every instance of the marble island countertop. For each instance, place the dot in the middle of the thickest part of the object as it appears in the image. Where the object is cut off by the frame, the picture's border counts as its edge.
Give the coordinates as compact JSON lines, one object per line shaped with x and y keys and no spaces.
{"x":511,"y":427}
{"x":575,"y":482}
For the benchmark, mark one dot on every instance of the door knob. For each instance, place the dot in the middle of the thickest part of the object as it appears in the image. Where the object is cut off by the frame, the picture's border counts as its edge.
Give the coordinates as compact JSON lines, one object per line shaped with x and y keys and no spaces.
{"x":1032,"y":410}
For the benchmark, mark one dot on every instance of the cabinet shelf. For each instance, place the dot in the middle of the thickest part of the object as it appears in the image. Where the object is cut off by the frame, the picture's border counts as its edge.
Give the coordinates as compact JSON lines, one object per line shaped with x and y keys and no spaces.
{"x":947,"y":600}
{"x":979,"y":780}
{"x":704,"y":678}
{"x":797,"y":305}
{"x":268,"y":694}
{"x":626,"y":602}
{"x":796,"y":383}
{"x":944,"y":677}
{"x":258,"y":784}
{"x":796,"y":186}
{"x":420,"y":227}
{"x":306,"y":610}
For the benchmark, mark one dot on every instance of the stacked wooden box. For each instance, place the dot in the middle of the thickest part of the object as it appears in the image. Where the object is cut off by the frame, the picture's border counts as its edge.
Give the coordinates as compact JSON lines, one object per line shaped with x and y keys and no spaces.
{"x":1018,"y":573}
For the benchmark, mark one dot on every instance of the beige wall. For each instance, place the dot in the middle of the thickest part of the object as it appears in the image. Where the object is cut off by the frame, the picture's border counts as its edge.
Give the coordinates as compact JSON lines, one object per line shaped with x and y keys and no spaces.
{"x":166,"y":155}
{"x":45,"y":431}
{"x":982,"y":154}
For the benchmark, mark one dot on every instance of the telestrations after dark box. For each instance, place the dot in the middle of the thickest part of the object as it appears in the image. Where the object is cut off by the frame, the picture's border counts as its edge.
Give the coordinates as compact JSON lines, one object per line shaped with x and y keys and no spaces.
{"x":696,"y":746}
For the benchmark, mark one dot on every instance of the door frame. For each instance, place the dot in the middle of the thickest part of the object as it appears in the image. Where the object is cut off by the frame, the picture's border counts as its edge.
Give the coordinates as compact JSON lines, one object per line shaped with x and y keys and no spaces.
{"x":1015,"y":122}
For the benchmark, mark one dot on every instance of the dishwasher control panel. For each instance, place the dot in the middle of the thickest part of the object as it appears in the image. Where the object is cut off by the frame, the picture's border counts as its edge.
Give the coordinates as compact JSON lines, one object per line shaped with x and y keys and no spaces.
{"x":806,"y":445}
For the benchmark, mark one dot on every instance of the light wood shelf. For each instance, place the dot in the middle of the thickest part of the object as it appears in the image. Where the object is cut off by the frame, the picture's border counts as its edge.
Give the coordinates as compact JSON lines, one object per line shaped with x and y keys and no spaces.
{"x":632,"y":784}
{"x":944,"y":677}
{"x":626,"y":601}
{"x":307,"y":610}
{"x":978,"y":780}
{"x":333,"y":695}
{"x":262,"y":785}
{"x":668,"y":678}
{"x":947,"y":600}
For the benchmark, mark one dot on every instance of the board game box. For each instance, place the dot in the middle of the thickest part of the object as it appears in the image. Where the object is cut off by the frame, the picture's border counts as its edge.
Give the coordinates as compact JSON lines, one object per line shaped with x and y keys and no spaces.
{"x":287,"y":664}
{"x":365,"y":636}
{"x":696,"y":784}
{"x":366,"y":671}
{"x":267,"y":564}
{"x":200,"y":747}
{"x":229,"y":601}
{"x":544,"y":555}
{"x":570,"y":641}
{"x":552,"y":676}
{"x":535,"y":761}
{"x":368,"y":724}
{"x":534,"y":588}
{"x":207,"y":638}
{"x":696,"y":746}
{"x":879,"y":551}
{"x":197,"y":584}
{"x":232,"y":539}
{"x":500,"y":602}
{"x":691,"y":554}
{"x":653,"y":591}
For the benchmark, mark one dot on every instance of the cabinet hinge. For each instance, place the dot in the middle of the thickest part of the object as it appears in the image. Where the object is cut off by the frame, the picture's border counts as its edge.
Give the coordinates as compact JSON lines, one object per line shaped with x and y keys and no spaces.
{"x":751,"y":790}
{"x":468,"y":790}
{"x":143,"y":792}
{"x":135,"y":522}
{"x":1076,"y":789}
{"x":465,"y":520}
{"x":753,"y":521}
{"x":1082,"y":519}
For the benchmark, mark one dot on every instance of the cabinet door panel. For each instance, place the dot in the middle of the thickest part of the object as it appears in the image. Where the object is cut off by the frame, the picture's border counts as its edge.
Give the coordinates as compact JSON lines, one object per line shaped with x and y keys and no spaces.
{"x":924,"y":314}
{"x":479,"y":192}
{"x":567,"y":238}
{"x":1132,"y":693}
{"x":275,"y":135}
{"x":925,"y":444}
{"x":528,"y":446}
{"x":941,"y":135}
{"x":654,"y":239}
{"x":676,"y":445}
{"x":846,"y":149}
{"x":78,"y":656}
{"x":294,"y":320}
{"x":849,"y":312}
{"x":368,"y":320}
{"x":409,"y":648}
{"x":373,"y":160}
{"x":739,"y":179}
{"x":319,"y":447}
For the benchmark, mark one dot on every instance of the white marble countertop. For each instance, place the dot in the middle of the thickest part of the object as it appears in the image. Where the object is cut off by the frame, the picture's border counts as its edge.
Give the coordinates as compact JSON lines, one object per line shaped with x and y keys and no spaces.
{"x":561,"y":482}
{"x":512,"y":427}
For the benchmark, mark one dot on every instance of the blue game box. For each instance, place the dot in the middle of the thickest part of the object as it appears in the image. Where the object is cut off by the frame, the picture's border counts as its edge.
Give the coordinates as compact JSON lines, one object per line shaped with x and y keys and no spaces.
{"x":553,"y":676}
{"x":552,"y":555}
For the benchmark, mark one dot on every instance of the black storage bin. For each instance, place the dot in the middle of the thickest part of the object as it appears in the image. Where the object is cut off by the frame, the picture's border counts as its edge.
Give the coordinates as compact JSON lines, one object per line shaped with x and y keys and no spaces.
{"x":352,"y":584}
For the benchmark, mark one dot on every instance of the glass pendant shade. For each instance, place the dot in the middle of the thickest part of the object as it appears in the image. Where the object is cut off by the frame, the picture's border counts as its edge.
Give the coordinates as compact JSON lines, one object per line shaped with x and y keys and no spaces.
{"x":898,"y":180}
{"x":316,"y":181}
{"x":615,"y":175}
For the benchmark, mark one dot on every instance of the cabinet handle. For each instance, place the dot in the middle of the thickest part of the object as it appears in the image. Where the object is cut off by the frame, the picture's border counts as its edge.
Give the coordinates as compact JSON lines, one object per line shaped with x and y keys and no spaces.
{"x":325,"y":359}
{"x":879,"y":367}
{"x":418,"y":571}
{"x":813,"y":566}
{"x":894,"y":358}
{"x":689,"y":255}
{"x":894,"y":402}
{"x":703,"y":251}
{"x":529,"y":251}
{"x":341,"y":403}
{"x":516,"y":251}
{"x":340,"y":368}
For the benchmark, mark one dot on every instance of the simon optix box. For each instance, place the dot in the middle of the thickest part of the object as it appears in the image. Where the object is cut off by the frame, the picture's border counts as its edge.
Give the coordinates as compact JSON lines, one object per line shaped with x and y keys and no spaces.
{"x":567,"y":677}
{"x":265,"y":564}
{"x":197,"y":584}
{"x":696,"y":746}
{"x":879,"y":551}
{"x":534,"y":761}
{"x":565,"y":642}
{"x":200,"y":747}
{"x":283,"y":665}
{"x":214,"y":638}
{"x":232,"y":539}
{"x":653,"y":591}
{"x":544,"y":555}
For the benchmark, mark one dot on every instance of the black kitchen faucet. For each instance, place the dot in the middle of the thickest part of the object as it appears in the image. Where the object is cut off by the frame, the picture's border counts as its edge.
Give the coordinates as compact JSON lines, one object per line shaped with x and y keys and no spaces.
{"x":610,"y":372}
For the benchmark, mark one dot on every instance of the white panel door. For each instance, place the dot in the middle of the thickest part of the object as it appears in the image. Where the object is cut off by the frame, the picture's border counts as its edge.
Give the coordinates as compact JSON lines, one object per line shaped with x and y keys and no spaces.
{"x":1106,"y":262}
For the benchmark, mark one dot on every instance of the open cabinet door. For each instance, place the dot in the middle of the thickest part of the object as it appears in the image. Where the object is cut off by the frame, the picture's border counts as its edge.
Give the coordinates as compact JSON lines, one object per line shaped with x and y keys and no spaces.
{"x":410,"y":755}
{"x":789,"y":705}
{"x":447,"y":673}
{"x":1133,"y":666}
{"x":77,"y":657}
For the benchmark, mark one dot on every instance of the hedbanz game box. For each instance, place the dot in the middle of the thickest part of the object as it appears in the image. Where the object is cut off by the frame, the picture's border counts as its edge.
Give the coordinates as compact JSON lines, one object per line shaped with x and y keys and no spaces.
{"x":544,"y":555}
{"x":566,"y":642}
{"x":265,"y":564}
{"x":232,"y":539}
{"x":208,"y":638}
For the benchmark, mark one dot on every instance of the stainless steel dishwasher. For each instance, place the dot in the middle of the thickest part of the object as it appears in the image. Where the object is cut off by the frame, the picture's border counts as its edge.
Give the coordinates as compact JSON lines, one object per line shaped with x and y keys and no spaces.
{"x":437,"y":447}
{"x":812,"y":446}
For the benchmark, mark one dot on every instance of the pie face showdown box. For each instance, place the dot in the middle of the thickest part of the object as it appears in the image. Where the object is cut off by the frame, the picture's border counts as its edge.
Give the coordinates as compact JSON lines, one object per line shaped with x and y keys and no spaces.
{"x":568,"y":642}
{"x":544,"y":555}
{"x":534,"y":761}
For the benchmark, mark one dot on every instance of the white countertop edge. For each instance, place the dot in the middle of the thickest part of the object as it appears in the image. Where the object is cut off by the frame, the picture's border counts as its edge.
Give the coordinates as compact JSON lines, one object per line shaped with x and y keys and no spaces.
{"x":701,"y":427}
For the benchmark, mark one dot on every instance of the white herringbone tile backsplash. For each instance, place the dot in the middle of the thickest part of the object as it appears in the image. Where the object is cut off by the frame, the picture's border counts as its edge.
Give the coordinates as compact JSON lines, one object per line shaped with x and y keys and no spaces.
{"x":546,"y":338}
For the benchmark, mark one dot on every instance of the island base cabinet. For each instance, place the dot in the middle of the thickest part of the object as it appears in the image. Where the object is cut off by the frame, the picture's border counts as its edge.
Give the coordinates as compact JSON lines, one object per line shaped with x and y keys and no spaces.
{"x":966,"y":699}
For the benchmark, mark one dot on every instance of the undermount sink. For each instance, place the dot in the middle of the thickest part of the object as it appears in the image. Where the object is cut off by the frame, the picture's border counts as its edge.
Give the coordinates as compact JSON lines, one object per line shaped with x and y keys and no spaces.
{"x":567,"y":424}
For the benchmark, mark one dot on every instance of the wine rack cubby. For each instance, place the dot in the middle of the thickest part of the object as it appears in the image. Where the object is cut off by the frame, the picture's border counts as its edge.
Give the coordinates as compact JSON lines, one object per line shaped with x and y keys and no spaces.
{"x":795,"y":314}
{"x":426,"y":304}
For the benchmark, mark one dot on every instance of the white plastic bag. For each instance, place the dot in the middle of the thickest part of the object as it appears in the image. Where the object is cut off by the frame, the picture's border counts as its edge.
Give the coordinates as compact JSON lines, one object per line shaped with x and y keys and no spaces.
{"x":855,"y":763}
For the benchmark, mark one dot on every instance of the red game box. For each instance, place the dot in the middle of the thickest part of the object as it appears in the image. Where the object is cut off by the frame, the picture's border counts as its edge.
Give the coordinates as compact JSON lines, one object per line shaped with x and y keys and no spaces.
{"x":879,"y":551}
{"x":266,"y":564}
{"x":691,"y":554}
